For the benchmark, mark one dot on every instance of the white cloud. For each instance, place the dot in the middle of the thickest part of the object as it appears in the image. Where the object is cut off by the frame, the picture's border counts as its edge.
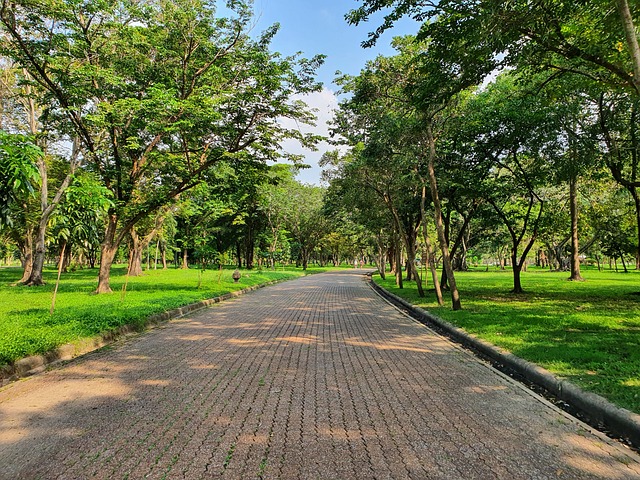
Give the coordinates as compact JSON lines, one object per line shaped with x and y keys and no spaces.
{"x":324,"y":103}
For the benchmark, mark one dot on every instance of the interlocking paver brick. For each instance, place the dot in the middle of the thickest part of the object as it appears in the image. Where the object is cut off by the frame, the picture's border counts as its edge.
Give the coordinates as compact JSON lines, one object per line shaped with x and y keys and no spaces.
{"x":316,"y":378}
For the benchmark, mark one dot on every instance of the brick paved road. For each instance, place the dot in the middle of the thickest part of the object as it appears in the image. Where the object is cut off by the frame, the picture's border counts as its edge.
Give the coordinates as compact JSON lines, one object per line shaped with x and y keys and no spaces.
{"x":316,"y":378}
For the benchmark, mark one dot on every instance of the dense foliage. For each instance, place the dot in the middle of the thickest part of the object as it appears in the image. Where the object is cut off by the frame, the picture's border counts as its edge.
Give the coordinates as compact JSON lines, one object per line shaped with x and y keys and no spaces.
{"x":501,"y":133}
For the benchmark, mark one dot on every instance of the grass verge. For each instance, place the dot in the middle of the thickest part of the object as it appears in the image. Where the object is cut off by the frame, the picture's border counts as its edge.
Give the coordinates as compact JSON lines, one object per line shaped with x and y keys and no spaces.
{"x":586,"y":332}
{"x":27,"y":328}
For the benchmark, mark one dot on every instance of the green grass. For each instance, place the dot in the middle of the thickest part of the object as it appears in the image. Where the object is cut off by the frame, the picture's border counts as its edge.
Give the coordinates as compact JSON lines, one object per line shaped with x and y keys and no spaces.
{"x":587,"y":332}
{"x":26,"y":328}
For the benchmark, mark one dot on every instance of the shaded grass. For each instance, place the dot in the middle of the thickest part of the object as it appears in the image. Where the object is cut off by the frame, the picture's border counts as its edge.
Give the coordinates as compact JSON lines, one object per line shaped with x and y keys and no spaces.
{"x":26,"y":328}
{"x":587,"y":332}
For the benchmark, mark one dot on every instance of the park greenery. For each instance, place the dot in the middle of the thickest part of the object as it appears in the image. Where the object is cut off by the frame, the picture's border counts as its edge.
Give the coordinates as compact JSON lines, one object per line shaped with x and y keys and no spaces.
{"x":584,"y":332}
{"x":27,"y":327}
{"x":501,"y":138}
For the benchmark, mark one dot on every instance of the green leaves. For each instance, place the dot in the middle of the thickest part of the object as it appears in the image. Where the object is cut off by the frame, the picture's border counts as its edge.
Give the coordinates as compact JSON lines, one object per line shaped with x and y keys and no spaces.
{"x":18,"y":171}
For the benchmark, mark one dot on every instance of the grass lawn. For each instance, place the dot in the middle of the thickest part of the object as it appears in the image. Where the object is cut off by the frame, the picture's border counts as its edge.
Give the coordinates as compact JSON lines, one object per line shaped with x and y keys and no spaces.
{"x":587,"y":332}
{"x":26,"y":328}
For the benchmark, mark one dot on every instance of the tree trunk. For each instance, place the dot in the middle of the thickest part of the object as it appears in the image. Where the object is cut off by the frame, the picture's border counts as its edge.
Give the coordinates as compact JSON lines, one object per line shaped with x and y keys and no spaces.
{"x":108,"y":252}
{"x":26,"y":255}
{"x":249,"y":255}
{"x":185,"y":259}
{"x":636,"y":199}
{"x":398,"y":262}
{"x":408,"y":269}
{"x":35,"y":279}
{"x":135,"y":254}
{"x":392,"y":258}
{"x":427,"y":242}
{"x":409,"y":240}
{"x":163,"y":254}
{"x":517,"y":283}
{"x":631,"y":40}
{"x":381,"y":258}
{"x":414,"y":270}
{"x":47,"y":207}
{"x":66,"y":262}
{"x":91,"y":257}
{"x":446,"y":260}
{"x":382,"y":265}
{"x":575,"y":247}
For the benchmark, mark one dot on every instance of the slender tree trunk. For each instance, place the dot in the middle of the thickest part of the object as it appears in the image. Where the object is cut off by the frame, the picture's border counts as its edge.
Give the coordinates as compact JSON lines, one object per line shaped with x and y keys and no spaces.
{"x":631,"y":37}
{"x":517,"y":283}
{"x":273,"y":247}
{"x":185,"y":259}
{"x":414,"y":271}
{"x":575,"y":247}
{"x":91,"y":257}
{"x":55,"y":291}
{"x":408,"y":270}
{"x":446,"y":219}
{"x":382,"y":264}
{"x":392,"y":257}
{"x":135,"y":255}
{"x":408,"y":238}
{"x":429,"y":250}
{"x":636,"y":199}
{"x":249,"y":255}
{"x":35,"y":279}
{"x":108,"y":252}
{"x":47,"y":206}
{"x":139,"y":245}
{"x":163,"y":255}
{"x":446,"y":260}
{"x":26,"y":255}
{"x":381,"y":259}
{"x":67,"y":256}
{"x":398,"y":261}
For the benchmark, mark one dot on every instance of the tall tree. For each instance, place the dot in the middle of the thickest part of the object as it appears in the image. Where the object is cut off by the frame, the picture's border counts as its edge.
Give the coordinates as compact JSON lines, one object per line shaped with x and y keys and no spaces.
{"x":158,"y":92}
{"x":19,"y":181}
{"x":512,"y":157}
{"x":304,"y":218}
{"x":27,"y":110}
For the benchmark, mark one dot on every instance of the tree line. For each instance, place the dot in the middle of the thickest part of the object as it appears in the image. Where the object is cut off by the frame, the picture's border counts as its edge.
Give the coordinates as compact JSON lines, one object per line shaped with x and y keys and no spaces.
{"x":501,"y":130}
{"x":504,"y":126}
{"x":124,"y":123}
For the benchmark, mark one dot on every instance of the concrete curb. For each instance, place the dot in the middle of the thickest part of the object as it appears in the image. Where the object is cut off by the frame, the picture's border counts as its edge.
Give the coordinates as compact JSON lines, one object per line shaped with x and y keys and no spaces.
{"x":618,"y":421}
{"x":32,"y":365}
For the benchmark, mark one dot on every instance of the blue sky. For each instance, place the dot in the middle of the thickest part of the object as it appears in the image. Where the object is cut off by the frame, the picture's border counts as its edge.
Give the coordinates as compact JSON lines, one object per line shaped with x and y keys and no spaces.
{"x":318,"y":27}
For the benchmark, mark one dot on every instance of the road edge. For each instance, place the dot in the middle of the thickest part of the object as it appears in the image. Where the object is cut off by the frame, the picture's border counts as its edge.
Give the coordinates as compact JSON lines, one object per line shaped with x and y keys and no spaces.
{"x":35,"y":364}
{"x":598,"y":411}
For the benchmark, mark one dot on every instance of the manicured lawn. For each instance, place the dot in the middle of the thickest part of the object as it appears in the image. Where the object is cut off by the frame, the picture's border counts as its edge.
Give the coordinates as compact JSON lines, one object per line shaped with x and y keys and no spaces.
{"x":586,"y":332}
{"x":26,"y":328}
